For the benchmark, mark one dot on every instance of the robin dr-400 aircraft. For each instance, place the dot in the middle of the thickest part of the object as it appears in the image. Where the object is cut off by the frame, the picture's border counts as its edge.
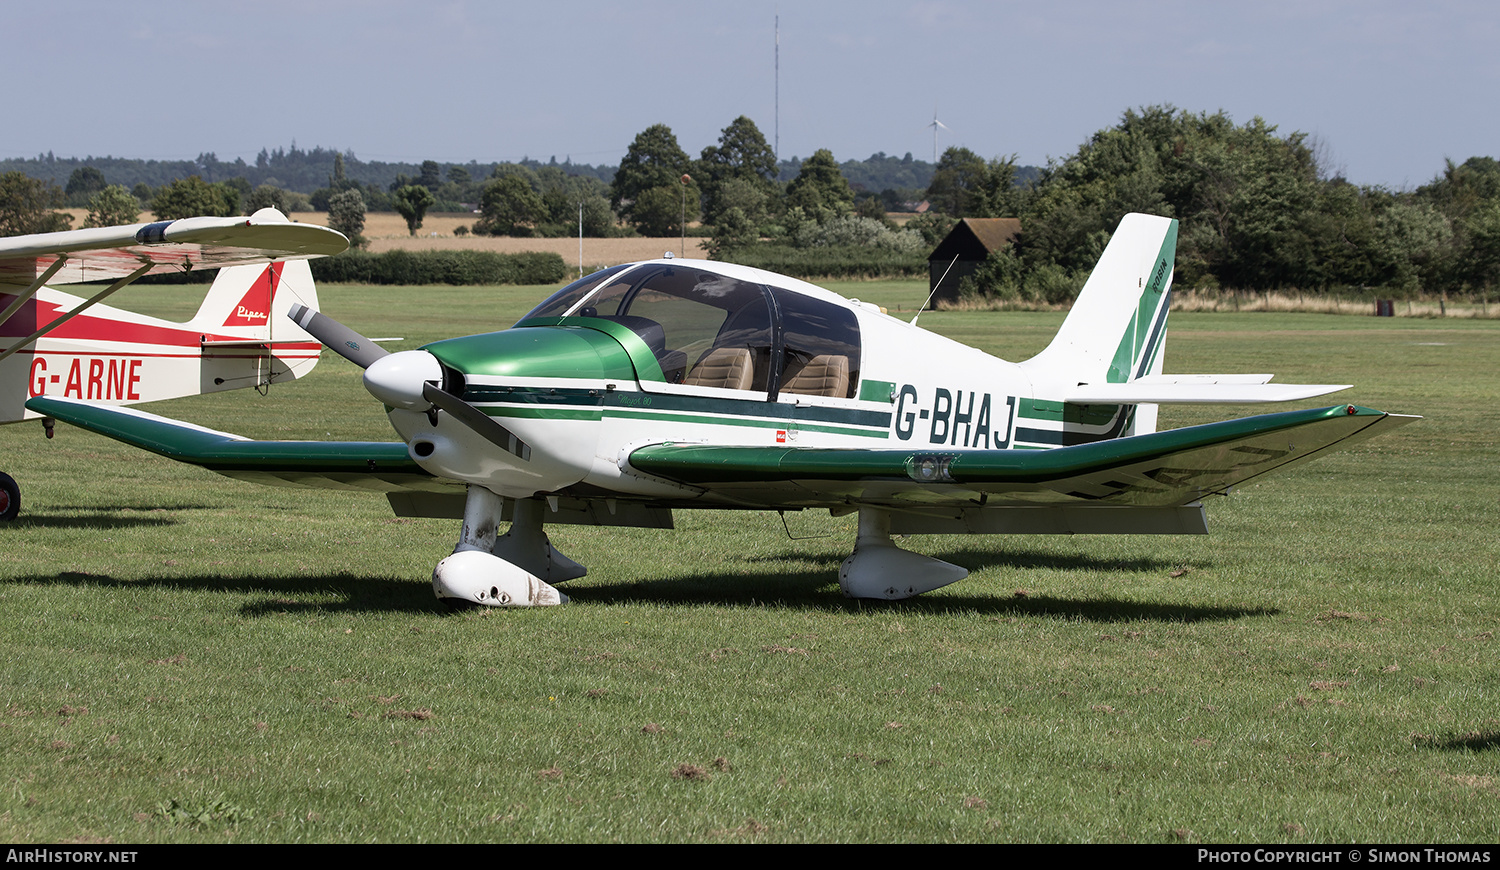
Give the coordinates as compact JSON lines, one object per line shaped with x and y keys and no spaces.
{"x":664,"y":385}
{"x":56,"y":344}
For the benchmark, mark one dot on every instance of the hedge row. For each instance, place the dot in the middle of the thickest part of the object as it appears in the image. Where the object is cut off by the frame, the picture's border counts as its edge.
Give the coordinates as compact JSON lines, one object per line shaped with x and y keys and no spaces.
{"x":829,"y":262}
{"x":440,"y":267}
{"x":414,"y":267}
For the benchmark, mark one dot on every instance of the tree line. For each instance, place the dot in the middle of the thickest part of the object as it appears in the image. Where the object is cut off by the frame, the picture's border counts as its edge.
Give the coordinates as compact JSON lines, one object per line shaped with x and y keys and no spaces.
{"x":1258,"y":211}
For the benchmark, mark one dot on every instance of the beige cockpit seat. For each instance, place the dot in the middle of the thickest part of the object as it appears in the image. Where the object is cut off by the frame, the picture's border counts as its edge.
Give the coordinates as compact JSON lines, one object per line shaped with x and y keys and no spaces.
{"x":824,"y":375}
{"x":728,"y":368}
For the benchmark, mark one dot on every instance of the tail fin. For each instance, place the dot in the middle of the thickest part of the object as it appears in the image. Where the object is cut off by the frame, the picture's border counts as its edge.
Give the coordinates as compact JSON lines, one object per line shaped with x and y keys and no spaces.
{"x":247,"y":338}
{"x":1117,"y":329}
{"x":251,"y":302}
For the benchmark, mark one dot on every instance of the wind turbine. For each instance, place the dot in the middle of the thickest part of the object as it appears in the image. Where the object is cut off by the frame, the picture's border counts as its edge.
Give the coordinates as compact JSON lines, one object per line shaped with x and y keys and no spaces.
{"x":935,"y":125}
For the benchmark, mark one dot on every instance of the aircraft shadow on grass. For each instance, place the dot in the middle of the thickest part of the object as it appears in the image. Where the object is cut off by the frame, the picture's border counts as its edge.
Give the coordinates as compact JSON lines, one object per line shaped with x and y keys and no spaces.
{"x":810,"y":589}
{"x":976,"y":559}
{"x":1478,"y":741}
{"x":97,"y":516}
{"x":275,"y":594}
{"x":813,"y":590}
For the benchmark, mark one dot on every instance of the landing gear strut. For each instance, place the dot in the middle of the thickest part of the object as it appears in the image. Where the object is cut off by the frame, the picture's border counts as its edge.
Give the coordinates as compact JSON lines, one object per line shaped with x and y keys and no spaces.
{"x":515,"y":570}
{"x":880,"y":569}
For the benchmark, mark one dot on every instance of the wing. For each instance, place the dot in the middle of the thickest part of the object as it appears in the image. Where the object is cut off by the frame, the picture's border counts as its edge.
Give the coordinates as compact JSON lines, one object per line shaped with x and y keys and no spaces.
{"x":110,"y":253}
{"x":366,"y":466}
{"x":1168,"y":469}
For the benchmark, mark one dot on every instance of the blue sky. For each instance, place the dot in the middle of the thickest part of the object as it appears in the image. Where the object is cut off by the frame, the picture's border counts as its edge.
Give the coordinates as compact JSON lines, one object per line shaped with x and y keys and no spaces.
{"x":1389,"y":89}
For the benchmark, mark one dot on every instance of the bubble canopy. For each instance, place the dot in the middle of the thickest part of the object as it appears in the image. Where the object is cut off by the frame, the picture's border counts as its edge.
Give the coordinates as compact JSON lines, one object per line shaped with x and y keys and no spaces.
{"x":708,"y":328}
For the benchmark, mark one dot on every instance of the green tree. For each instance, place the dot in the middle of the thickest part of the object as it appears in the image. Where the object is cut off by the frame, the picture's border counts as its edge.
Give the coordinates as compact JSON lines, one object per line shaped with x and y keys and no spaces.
{"x":1242,"y":193}
{"x":659,"y":210}
{"x":189,"y":197}
{"x":28,"y":205}
{"x":346,"y":213}
{"x":932,"y":226}
{"x":648,"y":176}
{"x":267,"y":196}
{"x":873,"y":208}
{"x":960,"y":175}
{"x":412,"y":202}
{"x":234,"y":191}
{"x":820,"y":189}
{"x":507,"y":205}
{"x":741,"y":156}
{"x":113,"y":206}
{"x":83,"y":184}
{"x":1482,"y":258}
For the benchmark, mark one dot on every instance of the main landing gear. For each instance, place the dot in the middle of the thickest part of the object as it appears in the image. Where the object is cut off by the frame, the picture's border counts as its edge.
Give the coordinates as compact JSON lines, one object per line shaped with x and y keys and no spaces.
{"x":880,"y":569}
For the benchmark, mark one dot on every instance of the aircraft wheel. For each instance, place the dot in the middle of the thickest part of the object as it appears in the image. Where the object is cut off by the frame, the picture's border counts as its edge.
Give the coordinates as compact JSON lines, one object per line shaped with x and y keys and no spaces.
{"x":10,"y":497}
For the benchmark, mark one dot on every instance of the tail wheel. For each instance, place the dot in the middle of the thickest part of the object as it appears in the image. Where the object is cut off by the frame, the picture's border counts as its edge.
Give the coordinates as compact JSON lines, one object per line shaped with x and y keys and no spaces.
{"x":10,"y":497}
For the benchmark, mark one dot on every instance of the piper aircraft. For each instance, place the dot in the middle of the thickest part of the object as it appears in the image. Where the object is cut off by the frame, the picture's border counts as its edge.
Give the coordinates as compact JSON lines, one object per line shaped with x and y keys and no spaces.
{"x":56,"y":344}
{"x":664,"y":385}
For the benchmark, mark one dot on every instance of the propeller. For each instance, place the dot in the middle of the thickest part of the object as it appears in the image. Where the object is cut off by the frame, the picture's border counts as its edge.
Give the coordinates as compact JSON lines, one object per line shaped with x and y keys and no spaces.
{"x":409,"y":379}
{"x":337,"y":337}
{"x":475,"y":419}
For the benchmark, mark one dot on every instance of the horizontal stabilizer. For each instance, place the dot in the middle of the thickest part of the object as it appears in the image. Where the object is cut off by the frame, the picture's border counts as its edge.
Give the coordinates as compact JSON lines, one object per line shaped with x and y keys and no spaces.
{"x":1196,"y":390}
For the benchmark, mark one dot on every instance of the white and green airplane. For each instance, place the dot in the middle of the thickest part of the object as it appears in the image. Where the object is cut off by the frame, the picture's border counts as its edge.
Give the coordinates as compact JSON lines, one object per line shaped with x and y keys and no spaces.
{"x":671,"y":384}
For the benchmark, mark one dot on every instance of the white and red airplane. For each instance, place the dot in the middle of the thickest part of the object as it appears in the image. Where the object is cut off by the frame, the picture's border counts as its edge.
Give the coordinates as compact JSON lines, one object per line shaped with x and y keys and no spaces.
{"x":58,"y":344}
{"x":668,"y":385}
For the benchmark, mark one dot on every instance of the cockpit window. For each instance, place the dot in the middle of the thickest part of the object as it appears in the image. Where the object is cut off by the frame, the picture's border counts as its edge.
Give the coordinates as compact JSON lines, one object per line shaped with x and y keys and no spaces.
{"x":558,"y":303}
{"x":820,"y":346}
{"x":705,"y":329}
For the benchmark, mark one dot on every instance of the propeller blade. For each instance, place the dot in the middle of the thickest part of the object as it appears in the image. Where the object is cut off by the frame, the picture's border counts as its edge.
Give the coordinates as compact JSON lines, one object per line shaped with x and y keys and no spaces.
{"x":337,"y":337}
{"x":477,"y":420}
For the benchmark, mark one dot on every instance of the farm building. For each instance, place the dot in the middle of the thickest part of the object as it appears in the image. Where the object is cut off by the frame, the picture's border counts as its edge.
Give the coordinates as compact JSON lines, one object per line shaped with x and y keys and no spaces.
{"x":963,"y":249}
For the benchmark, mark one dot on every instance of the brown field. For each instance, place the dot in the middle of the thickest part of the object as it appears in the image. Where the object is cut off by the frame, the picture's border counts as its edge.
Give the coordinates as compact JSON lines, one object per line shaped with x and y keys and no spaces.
{"x":387,"y":232}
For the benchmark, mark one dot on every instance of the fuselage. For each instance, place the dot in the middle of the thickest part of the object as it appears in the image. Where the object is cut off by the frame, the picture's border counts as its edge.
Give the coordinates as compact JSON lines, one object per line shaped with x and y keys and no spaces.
{"x":668,"y":351}
{"x":118,"y":357}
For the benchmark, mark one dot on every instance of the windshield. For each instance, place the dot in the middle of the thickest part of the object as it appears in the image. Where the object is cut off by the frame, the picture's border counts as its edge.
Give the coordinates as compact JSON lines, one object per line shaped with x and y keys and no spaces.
{"x":705,"y":329}
{"x":558,"y":303}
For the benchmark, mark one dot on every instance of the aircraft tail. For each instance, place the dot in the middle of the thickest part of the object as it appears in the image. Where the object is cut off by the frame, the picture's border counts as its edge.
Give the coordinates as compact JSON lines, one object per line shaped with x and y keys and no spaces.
{"x":244,"y":316}
{"x":1116,"y":332}
{"x":252,"y":301}
{"x":1117,"y":329}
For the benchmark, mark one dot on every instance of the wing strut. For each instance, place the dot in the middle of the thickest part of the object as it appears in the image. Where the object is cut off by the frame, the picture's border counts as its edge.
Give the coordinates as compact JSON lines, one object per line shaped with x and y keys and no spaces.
{"x":31,"y":291}
{"x":99,"y":297}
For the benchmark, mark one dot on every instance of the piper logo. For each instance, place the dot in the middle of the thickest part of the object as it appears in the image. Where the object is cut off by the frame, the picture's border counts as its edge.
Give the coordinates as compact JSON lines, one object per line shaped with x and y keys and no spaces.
{"x":254,"y":308}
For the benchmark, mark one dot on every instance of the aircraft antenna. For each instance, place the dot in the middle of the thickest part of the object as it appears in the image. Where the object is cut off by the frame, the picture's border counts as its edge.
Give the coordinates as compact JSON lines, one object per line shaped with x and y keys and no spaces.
{"x":776,"y":147}
{"x":934,"y":290}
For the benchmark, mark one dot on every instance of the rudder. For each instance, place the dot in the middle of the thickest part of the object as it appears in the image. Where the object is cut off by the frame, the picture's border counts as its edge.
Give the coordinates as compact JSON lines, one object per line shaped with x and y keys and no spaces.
{"x":1116,"y":330}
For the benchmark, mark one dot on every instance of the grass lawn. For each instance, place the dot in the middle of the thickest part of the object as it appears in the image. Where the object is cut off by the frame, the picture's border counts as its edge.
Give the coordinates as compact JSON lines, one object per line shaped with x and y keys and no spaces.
{"x":188,"y":658}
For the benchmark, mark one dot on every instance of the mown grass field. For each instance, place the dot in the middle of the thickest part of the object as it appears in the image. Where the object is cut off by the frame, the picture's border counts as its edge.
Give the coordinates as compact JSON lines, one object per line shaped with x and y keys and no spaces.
{"x":188,"y":658}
